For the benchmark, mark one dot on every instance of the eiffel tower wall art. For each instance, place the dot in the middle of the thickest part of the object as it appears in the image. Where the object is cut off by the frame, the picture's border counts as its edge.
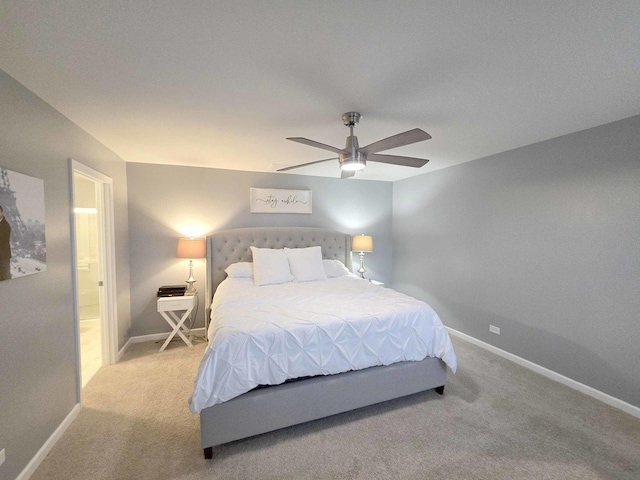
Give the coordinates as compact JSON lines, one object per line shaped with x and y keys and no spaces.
{"x":23,"y":247}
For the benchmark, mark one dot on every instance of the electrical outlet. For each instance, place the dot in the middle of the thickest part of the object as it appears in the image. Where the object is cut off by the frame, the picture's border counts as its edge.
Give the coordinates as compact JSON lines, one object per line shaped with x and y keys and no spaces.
{"x":495,"y":330}
{"x":1,"y":456}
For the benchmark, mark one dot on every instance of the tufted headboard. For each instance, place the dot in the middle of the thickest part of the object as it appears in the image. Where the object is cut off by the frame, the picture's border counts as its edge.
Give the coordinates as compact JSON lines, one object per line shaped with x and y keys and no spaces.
{"x":231,"y":246}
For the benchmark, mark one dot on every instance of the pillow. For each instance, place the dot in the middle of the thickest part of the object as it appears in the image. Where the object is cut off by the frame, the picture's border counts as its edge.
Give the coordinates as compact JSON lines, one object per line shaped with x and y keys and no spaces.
{"x":306,"y":263}
{"x":270,"y":266}
{"x":334,"y":268}
{"x":240,"y":270}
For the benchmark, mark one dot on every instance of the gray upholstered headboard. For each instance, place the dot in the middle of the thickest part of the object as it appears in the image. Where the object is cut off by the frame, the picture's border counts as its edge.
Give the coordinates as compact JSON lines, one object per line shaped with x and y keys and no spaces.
{"x":231,"y":246}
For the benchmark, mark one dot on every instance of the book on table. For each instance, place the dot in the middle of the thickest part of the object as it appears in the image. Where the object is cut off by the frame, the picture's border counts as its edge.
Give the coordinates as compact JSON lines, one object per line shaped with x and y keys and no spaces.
{"x":172,"y":290}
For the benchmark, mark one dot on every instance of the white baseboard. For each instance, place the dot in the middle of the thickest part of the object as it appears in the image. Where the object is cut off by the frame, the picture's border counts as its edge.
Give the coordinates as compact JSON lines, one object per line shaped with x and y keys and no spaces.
{"x":48,"y":445}
{"x":545,"y":372}
{"x":123,"y":350}
{"x":154,"y":337}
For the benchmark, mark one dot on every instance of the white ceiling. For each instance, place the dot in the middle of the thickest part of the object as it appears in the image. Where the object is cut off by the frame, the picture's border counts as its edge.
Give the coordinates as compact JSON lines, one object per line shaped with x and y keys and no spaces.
{"x":222,"y":83}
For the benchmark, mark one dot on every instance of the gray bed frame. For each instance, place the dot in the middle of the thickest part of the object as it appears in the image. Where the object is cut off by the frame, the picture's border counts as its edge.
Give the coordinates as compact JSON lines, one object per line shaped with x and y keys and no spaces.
{"x":267,"y":409}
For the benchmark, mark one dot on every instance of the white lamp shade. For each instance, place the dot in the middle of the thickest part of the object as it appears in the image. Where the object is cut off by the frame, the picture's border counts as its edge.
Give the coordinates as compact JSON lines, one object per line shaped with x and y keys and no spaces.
{"x":191,"y":248}
{"x":362,"y":243}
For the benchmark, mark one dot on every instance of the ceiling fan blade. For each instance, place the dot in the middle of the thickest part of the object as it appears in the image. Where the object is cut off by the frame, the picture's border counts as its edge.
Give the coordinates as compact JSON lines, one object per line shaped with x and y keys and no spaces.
{"x":397,"y":160}
{"x":347,"y":173}
{"x":399,"y":140}
{"x":313,"y":143}
{"x":304,"y":164}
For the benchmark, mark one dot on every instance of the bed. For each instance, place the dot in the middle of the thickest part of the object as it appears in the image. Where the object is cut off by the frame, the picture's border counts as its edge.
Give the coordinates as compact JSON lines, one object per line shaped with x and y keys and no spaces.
{"x":240,"y":400}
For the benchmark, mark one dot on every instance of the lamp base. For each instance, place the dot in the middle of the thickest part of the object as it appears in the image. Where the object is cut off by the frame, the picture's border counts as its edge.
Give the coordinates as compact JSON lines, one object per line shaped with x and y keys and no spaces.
{"x":361,"y":270}
{"x":190,"y":281}
{"x":191,"y":290}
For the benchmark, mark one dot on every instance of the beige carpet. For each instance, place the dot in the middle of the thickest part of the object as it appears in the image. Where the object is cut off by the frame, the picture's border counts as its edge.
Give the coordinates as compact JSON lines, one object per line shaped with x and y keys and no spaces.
{"x":496,"y":420}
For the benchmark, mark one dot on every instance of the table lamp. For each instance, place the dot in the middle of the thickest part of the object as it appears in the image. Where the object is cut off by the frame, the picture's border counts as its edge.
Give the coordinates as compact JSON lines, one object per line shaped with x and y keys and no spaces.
{"x":191,"y":248}
{"x":362,"y":244}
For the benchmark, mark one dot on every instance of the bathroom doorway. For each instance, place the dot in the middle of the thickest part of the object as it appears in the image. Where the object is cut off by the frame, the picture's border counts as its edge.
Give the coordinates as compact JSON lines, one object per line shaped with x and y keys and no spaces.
{"x":85,"y":210}
{"x":93,"y":271}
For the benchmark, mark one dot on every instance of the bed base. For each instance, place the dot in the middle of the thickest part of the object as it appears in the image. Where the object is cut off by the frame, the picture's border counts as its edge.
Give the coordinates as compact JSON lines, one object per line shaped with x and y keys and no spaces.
{"x":268,"y":409}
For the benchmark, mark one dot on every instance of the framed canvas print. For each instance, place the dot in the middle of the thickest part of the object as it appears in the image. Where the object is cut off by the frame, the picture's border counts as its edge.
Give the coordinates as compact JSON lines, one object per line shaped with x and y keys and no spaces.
{"x":23,"y":248}
{"x":274,"y":200}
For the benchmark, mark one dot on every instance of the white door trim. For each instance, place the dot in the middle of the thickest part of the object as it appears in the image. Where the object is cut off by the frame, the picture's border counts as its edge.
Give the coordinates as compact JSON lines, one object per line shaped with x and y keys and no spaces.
{"x":108,"y":305}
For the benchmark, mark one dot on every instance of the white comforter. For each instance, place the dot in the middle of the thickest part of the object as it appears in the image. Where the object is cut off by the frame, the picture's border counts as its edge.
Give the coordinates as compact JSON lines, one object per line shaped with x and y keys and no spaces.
{"x":267,"y":334}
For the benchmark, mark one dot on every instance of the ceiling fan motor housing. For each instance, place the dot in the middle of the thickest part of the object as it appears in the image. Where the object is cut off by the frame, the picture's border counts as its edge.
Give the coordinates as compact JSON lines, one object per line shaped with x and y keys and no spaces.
{"x":355,"y":160}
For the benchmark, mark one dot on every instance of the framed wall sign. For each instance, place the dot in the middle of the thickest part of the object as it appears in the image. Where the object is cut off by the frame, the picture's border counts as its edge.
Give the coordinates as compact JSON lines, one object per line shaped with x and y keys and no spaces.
{"x":273,"y":200}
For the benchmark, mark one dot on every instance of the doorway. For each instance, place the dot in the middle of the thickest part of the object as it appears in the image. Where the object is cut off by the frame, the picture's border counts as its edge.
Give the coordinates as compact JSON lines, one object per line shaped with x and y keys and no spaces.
{"x":85,"y":210}
{"x":93,"y":270}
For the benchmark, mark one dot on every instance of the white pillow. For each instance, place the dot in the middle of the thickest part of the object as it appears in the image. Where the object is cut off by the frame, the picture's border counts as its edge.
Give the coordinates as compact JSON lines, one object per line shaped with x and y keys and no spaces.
{"x":334,"y":268}
{"x":306,"y":263}
{"x":270,"y":266}
{"x":240,"y":270}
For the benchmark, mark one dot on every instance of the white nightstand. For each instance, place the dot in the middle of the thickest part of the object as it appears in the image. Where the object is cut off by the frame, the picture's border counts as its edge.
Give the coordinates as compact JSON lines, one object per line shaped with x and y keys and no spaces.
{"x":168,"y":306}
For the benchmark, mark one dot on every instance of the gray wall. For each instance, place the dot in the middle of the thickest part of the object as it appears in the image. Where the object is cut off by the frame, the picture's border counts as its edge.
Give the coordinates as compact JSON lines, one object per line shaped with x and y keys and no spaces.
{"x":543,"y":242}
{"x":165,"y":201}
{"x":38,"y":386}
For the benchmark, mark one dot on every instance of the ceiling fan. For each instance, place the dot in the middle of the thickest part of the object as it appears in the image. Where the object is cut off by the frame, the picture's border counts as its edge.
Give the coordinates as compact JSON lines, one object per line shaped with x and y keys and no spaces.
{"x":353,"y":157}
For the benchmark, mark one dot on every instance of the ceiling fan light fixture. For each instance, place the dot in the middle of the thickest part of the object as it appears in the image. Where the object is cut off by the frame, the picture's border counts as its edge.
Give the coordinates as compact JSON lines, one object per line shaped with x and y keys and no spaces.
{"x":353,"y":163}
{"x":352,"y":166}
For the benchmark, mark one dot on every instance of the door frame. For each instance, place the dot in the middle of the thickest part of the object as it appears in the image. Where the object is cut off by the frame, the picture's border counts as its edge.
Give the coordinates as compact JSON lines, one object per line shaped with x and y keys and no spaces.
{"x":107,"y":265}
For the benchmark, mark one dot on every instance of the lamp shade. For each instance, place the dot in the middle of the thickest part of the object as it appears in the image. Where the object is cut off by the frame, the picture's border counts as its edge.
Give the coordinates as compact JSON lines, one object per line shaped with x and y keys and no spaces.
{"x":191,"y":248}
{"x":362,"y":243}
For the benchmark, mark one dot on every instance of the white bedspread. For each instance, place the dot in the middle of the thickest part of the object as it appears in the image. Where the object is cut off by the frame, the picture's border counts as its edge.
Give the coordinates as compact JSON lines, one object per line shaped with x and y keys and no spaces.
{"x":265,"y":335}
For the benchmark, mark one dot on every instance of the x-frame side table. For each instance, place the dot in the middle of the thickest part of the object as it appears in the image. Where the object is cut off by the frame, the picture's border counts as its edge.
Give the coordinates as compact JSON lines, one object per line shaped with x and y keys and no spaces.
{"x":169,"y":307}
